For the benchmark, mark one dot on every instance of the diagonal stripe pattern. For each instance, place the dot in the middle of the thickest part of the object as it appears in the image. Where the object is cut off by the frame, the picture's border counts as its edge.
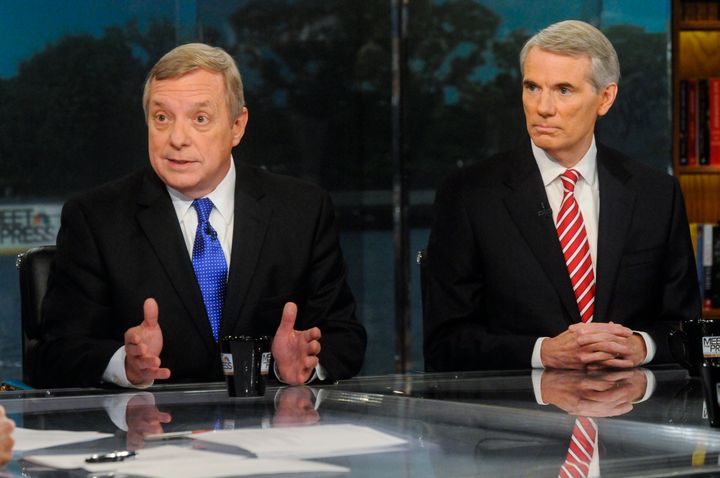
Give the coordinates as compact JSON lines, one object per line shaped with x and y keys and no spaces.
{"x":575,"y":247}
{"x":580,"y":450}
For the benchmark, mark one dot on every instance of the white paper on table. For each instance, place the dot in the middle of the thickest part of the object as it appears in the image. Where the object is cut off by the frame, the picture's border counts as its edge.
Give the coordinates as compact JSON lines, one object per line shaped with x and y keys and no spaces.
{"x":305,"y":442}
{"x":29,"y":439}
{"x":171,"y":461}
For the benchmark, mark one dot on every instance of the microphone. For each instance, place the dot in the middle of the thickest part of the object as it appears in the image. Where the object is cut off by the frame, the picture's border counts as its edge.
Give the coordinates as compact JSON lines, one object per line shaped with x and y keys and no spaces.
{"x":211,"y":232}
{"x":544,"y":211}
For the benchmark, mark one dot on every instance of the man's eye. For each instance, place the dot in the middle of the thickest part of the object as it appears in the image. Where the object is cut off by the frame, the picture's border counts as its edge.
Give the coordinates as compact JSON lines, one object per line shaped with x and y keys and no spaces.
{"x":202,"y":119}
{"x":564,"y":90}
{"x":160,"y":117}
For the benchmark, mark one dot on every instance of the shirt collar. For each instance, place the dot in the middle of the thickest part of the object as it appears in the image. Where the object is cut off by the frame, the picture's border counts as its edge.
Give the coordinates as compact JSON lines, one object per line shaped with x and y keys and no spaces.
{"x":223,"y":197}
{"x":551,"y":169}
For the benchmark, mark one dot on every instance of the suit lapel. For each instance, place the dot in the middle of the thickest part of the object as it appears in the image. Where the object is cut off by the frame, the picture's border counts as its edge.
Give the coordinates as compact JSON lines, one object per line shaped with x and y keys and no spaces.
{"x":158,"y":220}
{"x":252,"y":217}
{"x":616,"y":210}
{"x":524,"y":202}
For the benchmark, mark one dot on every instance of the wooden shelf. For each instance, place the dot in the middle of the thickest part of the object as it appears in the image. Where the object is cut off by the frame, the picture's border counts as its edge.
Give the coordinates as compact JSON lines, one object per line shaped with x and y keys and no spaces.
{"x":699,"y":25}
{"x":695,"y":55}
{"x":697,"y":170}
{"x":711,"y":313}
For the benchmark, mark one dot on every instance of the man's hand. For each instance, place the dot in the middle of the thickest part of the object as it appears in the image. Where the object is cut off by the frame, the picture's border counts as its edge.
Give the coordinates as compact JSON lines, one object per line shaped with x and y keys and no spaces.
{"x":295,"y":351}
{"x":143,"y":345}
{"x":143,"y":418}
{"x":6,"y":440}
{"x":593,"y":345}
{"x":594,"y":394}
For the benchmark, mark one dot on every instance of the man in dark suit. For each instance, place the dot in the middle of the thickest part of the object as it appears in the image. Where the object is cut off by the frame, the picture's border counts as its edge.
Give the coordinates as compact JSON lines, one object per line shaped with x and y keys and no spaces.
{"x":563,"y":253}
{"x":145,"y":283}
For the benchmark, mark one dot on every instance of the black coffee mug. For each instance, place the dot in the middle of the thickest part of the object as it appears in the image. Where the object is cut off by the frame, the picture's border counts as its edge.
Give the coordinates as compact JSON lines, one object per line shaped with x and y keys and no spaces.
{"x":710,"y":375}
{"x":698,"y":342}
{"x":246,"y":362}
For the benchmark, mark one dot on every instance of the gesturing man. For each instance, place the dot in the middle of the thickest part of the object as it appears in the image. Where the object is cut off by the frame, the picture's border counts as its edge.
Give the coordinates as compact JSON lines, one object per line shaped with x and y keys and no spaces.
{"x":152,"y":269}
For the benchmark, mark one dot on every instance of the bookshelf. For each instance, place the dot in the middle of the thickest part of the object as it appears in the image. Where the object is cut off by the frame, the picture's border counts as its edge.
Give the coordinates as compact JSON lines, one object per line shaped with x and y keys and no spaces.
{"x":695,"y":55}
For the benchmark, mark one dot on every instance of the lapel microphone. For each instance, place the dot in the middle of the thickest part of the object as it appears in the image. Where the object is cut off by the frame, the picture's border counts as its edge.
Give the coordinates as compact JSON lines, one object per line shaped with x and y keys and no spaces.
{"x":544,"y":211}
{"x":211,"y":232}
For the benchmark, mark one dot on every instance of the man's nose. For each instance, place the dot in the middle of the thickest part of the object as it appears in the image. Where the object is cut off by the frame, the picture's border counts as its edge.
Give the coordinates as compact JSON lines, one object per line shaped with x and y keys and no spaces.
{"x":546,"y":104}
{"x":179,"y":136}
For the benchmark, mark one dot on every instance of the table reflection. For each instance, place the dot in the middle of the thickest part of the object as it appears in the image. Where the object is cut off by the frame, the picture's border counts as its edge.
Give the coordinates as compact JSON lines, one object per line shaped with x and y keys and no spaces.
{"x":650,"y":422}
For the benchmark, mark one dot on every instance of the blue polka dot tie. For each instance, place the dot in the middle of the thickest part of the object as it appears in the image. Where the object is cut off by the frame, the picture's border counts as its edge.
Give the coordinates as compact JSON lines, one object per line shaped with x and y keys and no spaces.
{"x":209,"y":264}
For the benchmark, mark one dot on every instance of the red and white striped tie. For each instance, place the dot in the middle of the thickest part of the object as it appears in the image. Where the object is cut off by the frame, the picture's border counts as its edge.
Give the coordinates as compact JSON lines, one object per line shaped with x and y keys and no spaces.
{"x":575,"y":247}
{"x":581,"y":449}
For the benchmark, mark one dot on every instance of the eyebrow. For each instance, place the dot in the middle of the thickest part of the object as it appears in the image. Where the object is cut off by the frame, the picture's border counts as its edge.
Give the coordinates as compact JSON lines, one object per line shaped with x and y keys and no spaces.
{"x":196,"y":105}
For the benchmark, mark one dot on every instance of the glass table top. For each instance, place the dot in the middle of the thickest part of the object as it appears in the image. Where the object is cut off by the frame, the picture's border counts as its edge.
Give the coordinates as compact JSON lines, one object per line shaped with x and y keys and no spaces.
{"x":649,"y":422}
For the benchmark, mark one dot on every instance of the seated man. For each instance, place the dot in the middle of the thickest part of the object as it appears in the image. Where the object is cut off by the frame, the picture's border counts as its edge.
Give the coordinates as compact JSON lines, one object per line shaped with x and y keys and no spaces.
{"x":563,"y":253}
{"x":152,"y":269}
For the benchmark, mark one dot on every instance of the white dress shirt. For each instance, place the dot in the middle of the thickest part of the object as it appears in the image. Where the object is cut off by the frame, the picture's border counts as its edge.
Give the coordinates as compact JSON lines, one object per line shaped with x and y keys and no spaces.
{"x":587,"y":194}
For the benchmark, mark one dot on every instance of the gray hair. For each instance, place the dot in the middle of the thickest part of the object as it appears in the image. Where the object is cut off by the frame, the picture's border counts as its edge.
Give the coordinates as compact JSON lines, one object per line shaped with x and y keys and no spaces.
{"x":193,"y":56}
{"x":576,"y":38}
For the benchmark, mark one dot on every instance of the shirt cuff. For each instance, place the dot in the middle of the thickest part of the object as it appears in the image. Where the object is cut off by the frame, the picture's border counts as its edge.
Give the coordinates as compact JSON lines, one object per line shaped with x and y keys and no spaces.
{"x":115,"y":372}
{"x":536,"y":361}
{"x":650,"y":347}
{"x":318,"y":373}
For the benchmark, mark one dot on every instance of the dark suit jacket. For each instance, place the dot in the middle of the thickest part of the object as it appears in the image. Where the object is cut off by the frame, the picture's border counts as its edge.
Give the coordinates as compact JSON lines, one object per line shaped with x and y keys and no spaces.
{"x":122,"y":243}
{"x":497,"y":280}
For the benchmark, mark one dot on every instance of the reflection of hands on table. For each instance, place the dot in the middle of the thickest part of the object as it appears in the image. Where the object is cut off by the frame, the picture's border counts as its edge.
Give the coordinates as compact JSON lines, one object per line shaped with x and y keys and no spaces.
{"x":143,"y":418}
{"x":6,"y":440}
{"x":295,"y":406}
{"x":295,"y":351}
{"x":593,"y":394}
{"x":143,"y":344}
{"x":593,"y":346}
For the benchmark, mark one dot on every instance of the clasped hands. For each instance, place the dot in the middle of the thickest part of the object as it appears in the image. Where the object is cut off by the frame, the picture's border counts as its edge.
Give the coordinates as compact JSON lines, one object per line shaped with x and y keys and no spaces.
{"x":295,"y":351}
{"x":594,"y":346}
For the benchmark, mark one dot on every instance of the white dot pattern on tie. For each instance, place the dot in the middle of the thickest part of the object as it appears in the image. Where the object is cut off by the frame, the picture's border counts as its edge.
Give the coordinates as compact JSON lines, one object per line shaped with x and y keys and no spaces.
{"x":209,"y":265}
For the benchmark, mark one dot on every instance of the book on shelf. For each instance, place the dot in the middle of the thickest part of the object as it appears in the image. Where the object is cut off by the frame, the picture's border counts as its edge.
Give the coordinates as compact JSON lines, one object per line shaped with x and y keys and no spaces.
{"x":715,"y":270}
{"x":706,"y":245}
{"x":682,"y":139}
{"x":703,"y":140}
{"x":692,"y":123}
{"x":714,"y":120}
{"x":699,"y":118}
{"x":707,"y":264}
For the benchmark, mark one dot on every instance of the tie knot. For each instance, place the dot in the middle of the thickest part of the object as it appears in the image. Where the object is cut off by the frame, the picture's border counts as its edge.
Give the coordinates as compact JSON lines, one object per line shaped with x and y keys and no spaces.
{"x":203,"y":207}
{"x":569,"y":178}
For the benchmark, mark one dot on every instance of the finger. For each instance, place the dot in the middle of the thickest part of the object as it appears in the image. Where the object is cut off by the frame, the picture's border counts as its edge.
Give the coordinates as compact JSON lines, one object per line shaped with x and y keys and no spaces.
{"x":162,"y":374}
{"x":135,"y":350}
{"x":310,"y":363}
{"x":132,"y":336}
{"x":287,"y":321}
{"x":600,"y":327}
{"x":150,"y":313}
{"x":147,"y":362}
{"x":618,"y":363}
{"x":164,"y":417}
{"x":313,"y":348}
{"x":313,"y":334}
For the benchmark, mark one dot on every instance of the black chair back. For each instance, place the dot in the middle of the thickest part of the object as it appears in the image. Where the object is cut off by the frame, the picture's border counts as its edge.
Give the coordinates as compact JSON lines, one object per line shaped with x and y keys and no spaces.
{"x":33,"y":269}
